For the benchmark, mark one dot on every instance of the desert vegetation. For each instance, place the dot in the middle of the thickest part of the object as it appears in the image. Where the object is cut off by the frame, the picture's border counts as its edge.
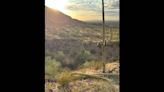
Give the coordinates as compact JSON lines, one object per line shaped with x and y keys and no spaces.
{"x":73,"y":56}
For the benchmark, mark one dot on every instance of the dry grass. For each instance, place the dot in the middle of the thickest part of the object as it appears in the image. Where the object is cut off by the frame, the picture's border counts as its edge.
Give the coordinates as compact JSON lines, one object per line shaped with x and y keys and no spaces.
{"x":68,"y":81}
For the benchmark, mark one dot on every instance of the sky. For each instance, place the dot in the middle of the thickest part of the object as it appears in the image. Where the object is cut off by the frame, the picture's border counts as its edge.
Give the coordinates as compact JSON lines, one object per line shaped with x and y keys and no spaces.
{"x":86,"y":10}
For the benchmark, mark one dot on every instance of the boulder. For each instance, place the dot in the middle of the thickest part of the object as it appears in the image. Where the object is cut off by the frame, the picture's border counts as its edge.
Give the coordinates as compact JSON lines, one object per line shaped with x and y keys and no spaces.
{"x":112,"y":67}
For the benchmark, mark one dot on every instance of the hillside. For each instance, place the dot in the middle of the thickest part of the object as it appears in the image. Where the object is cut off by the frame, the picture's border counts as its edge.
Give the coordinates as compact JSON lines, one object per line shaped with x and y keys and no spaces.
{"x":72,"y":46}
{"x":55,"y":18}
{"x":71,"y":38}
{"x":61,"y":26}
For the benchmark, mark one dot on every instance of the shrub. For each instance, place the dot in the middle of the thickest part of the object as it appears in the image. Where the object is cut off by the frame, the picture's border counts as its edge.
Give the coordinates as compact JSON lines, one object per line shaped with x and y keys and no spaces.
{"x":92,"y":64}
{"x":64,"y":78}
{"x":52,"y":67}
{"x":82,"y":57}
{"x":59,"y":55}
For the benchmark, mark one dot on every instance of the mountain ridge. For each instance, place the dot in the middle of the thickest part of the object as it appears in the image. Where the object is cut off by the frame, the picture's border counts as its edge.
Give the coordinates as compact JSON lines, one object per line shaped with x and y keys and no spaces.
{"x":54,"y":17}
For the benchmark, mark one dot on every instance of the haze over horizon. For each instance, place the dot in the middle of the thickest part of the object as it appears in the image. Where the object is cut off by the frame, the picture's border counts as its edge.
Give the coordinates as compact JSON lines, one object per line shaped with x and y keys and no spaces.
{"x":86,"y":10}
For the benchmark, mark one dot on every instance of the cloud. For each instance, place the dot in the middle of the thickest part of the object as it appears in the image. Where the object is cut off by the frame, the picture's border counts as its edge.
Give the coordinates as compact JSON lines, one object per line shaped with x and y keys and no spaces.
{"x":93,"y":8}
{"x":94,"y":5}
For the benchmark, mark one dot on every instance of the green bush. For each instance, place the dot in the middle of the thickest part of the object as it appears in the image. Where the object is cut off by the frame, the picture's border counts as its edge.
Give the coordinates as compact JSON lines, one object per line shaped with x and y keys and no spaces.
{"x":59,"y":55}
{"x":92,"y":64}
{"x":64,"y":78}
{"x":52,"y":67}
{"x":82,"y":57}
{"x":48,"y":53}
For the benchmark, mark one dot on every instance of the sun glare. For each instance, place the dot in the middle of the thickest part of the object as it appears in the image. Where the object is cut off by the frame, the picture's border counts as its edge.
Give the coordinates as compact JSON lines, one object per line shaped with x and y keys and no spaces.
{"x":57,"y":4}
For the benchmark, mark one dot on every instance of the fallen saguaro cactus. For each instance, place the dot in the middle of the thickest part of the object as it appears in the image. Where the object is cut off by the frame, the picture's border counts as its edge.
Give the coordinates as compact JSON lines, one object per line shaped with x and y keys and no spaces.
{"x":83,"y":75}
{"x":92,"y":76}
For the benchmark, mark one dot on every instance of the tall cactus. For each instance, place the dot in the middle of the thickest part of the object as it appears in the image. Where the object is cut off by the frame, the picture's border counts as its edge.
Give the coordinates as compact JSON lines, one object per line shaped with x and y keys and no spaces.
{"x":103,"y":44}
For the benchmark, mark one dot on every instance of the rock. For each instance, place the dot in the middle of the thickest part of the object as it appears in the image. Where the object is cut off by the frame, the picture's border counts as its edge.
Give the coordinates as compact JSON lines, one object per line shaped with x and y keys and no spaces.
{"x":112,"y":67}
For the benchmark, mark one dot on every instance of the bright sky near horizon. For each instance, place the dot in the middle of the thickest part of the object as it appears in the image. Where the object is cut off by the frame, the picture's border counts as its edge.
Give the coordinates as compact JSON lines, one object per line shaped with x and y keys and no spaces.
{"x":86,"y":9}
